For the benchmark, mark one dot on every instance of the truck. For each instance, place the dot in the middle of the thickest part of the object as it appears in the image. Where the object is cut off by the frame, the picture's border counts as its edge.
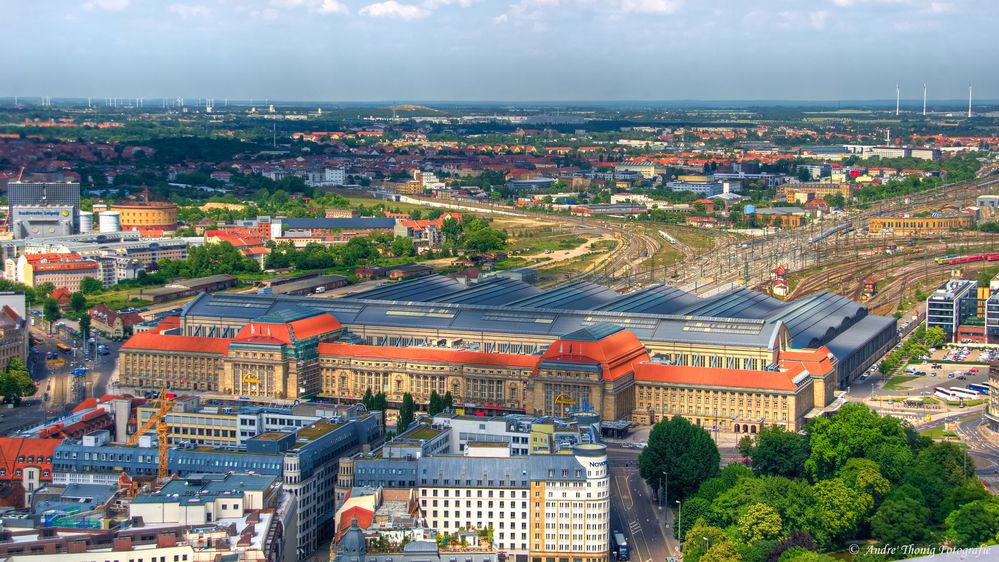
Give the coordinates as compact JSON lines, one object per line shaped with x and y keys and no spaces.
{"x":65,"y":348}
{"x":619,"y":546}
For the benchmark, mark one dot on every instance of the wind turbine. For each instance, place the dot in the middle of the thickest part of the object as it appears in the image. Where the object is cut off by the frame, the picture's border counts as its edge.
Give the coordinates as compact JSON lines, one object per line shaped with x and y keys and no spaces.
{"x":897,"y":97}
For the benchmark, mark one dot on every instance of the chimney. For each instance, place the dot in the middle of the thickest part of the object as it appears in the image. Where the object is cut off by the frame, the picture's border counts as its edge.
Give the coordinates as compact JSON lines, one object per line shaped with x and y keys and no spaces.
{"x":47,"y":533}
{"x":76,"y":547}
{"x":166,"y":540}
{"x":122,"y":544}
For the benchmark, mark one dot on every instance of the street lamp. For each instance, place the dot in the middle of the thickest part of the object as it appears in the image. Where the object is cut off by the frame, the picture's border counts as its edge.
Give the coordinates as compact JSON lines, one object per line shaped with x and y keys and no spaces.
{"x":707,"y":544}
{"x":679,"y":521}
{"x":663,"y":500}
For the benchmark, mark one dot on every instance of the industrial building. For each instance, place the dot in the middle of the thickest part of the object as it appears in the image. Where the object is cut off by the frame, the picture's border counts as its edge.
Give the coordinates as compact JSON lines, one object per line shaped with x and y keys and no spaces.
{"x":40,"y":209}
{"x":936,"y":223}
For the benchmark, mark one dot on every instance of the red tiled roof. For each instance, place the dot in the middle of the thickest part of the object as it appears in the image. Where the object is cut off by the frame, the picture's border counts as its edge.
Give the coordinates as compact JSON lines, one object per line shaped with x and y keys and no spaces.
{"x":35,"y":258}
{"x":428,"y":355}
{"x":15,"y":449}
{"x":305,"y":328}
{"x":160,"y":342}
{"x":168,"y":323}
{"x":65,"y":266}
{"x":709,"y":377}
{"x":817,"y":361}
{"x":617,"y":354}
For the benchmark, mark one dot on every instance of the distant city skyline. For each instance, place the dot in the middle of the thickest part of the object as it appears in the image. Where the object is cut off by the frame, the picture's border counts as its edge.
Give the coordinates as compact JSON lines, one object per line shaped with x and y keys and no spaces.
{"x":501,"y":50}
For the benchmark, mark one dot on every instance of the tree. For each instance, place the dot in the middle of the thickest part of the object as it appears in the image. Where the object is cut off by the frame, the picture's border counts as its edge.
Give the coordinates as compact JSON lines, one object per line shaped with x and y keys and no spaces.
{"x":448,"y":401}
{"x":436,"y":404}
{"x":368,"y":399}
{"x":745,"y":446}
{"x":485,"y":240}
{"x":778,"y":452}
{"x":971,"y":525}
{"x":407,"y":413}
{"x":78,"y":302}
{"x":760,"y":522}
{"x":798,"y":554}
{"x":842,"y":509}
{"x":85,"y":327}
{"x":15,"y":382}
{"x":691,"y":511}
{"x":43,"y":291}
{"x":700,"y":539}
{"x":864,"y":475}
{"x":50,"y":310}
{"x":680,"y":455}
{"x":724,"y":551}
{"x":452,"y":230}
{"x":856,"y":431}
{"x":901,"y":521}
{"x":402,"y":246}
{"x":380,"y":402}
{"x":796,"y":539}
{"x":89,"y":286}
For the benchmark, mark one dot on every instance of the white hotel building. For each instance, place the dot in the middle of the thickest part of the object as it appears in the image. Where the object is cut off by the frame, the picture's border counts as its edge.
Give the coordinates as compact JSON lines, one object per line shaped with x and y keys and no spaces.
{"x":553,"y":507}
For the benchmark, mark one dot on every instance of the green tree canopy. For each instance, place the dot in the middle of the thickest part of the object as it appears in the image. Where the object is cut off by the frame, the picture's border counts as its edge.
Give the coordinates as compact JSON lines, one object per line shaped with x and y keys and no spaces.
{"x":901,"y":521}
{"x":89,"y":286}
{"x":760,"y":522}
{"x":779,"y":452}
{"x":78,"y":302}
{"x":407,"y":413}
{"x":679,"y":454}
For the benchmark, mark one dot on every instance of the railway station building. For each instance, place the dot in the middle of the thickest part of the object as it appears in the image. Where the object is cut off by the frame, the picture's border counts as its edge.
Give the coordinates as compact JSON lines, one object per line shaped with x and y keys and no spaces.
{"x":734,"y":361}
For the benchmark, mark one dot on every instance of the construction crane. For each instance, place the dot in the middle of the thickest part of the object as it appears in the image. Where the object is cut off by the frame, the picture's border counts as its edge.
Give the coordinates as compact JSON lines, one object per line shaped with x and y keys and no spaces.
{"x":162,"y":433}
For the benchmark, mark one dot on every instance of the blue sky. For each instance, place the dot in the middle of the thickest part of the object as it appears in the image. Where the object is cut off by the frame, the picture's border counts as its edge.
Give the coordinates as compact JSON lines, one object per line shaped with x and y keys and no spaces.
{"x":360,"y":50}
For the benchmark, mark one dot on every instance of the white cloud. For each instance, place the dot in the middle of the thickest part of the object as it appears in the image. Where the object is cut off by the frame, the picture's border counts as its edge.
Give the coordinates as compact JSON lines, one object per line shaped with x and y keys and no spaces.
{"x":393,"y":9}
{"x":190,"y":11}
{"x":532,"y":11}
{"x":651,"y":6}
{"x":435,"y":4}
{"x":941,"y":7}
{"x":818,"y":19}
{"x":106,"y":5}
{"x":314,"y":6}
{"x":526,"y":10}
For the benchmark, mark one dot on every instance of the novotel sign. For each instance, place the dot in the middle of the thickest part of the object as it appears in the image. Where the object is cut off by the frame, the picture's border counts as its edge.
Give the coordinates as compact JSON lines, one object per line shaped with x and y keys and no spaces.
{"x":597,"y":464}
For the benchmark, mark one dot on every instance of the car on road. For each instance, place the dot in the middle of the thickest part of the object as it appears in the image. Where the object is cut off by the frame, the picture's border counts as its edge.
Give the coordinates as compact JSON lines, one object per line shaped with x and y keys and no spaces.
{"x":973,"y":370}
{"x":103,"y":350}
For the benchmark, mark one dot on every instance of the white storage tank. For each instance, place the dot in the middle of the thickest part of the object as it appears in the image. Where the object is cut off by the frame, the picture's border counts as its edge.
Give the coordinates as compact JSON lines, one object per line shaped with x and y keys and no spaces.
{"x":110,"y":221}
{"x":86,"y":222}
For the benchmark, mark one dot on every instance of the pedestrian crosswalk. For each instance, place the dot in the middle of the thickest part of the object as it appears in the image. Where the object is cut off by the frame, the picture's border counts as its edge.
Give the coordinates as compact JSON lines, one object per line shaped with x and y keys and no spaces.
{"x":635,"y":527}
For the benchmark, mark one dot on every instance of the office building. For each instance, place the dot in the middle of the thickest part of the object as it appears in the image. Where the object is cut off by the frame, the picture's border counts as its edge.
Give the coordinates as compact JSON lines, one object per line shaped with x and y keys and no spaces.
{"x":950,"y":306}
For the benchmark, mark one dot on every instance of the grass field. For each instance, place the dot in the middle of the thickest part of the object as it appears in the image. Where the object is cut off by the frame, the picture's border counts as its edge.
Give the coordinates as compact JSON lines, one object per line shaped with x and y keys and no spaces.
{"x":897,"y":381}
{"x":536,"y":245}
{"x":697,"y":239}
{"x":938,"y":433}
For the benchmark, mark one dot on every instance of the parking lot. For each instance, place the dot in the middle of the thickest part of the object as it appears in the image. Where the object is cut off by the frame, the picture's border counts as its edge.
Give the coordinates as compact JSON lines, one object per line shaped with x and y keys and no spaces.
{"x":956,"y":366}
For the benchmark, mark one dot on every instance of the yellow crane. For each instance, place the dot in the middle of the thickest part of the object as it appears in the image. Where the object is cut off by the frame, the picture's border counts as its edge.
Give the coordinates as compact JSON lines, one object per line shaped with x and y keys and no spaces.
{"x":162,"y":433}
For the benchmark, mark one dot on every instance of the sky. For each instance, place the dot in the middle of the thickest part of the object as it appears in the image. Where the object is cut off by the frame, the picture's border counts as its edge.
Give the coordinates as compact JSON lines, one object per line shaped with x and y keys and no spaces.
{"x":500,"y":50}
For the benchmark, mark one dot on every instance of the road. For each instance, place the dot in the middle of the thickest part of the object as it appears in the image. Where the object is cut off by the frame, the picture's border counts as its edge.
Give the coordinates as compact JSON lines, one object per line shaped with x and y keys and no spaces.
{"x":634,"y":511}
